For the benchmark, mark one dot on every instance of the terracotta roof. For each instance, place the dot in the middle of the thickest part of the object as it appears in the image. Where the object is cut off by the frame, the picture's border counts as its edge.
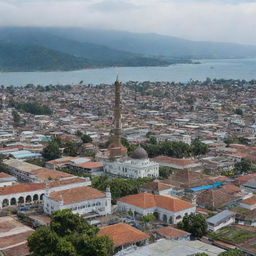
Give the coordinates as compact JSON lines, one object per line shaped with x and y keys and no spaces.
{"x":156,"y":186}
{"x":243,"y":179}
{"x":46,"y":174}
{"x":90,"y":165}
{"x":77,"y":194}
{"x":231,"y":189}
{"x":214,"y":198}
{"x":171,"y":232}
{"x":122,"y":234}
{"x":19,"y":250}
{"x":63,"y":160}
{"x":176,"y":161}
{"x":250,"y":201}
{"x":147,"y":200}
{"x":5,"y":175}
{"x":19,"y":188}
{"x":14,"y":239}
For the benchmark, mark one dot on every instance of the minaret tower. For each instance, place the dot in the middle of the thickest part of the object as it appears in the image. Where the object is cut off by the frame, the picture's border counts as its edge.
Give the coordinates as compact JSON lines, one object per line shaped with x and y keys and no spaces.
{"x":116,"y":148}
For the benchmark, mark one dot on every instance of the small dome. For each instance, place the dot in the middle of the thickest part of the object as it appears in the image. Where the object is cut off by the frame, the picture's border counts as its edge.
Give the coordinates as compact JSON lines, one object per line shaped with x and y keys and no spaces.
{"x":140,"y":153}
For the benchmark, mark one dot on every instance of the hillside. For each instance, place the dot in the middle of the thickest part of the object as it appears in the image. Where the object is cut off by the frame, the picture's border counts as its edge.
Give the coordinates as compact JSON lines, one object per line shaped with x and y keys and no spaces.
{"x":14,"y":57}
{"x":157,"y":45}
{"x":95,"y":55}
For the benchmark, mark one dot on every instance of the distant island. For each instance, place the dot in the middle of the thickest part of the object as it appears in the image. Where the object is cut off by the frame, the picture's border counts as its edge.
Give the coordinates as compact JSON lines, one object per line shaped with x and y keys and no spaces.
{"x":64,"y":49}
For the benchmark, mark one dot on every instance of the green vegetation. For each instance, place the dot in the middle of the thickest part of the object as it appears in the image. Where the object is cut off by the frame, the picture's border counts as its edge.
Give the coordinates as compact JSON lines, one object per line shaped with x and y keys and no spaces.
{"x":31,"y":107}
{"x":68,"y":235}
{"x":202,"y":254}
{"x":148,"y":218}
{"x":175,"y":149}
{"x":51,"y":151}
{"x":75,"y":172}
{"x":16,"y":118}
{"x":194,"y":224}
{"x":232,"y":235}
{"x":244,"y":166}
{"x":37,"y":161}
{"x":164,"y":172}
{"x":235,"y":140}
{"x":233,"y":252}
{"x":239,"y":111}
{"x":119,"y":187}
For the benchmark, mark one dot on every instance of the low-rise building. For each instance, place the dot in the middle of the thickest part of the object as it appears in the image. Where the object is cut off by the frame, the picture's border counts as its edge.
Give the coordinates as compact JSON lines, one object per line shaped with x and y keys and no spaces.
{"x":124,"y":236}
{"x":82,"y":200}
{"x":220,"y":220}
{"x":172,"y":233}
{"x":6,"y":179}
{"x":166,"y":208}
{"x":249,"y":203}
{"x":176,"y":163}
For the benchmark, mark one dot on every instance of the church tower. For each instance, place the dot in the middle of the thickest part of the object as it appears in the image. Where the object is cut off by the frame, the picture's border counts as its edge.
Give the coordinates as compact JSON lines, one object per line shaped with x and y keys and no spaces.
{"x":116,"y":148}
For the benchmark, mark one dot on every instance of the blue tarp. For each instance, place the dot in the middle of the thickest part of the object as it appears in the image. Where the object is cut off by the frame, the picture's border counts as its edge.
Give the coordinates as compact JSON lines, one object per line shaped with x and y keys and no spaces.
{"x":215,"y":185}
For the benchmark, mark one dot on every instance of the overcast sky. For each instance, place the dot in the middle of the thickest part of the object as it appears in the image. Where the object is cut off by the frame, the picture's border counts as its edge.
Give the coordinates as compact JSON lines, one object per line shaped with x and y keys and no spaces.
{"x":214,"y":20}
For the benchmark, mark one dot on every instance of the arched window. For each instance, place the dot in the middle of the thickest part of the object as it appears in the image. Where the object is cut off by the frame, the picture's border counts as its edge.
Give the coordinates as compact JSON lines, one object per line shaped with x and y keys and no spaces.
{"x":5,"y":203}
{"x":13,"y":201}
{"x":35,"y":197}
{"x":41,"y":197}
{"x":21,"y":200}
{"x":28,"y":199}
{"x":164,"y":218}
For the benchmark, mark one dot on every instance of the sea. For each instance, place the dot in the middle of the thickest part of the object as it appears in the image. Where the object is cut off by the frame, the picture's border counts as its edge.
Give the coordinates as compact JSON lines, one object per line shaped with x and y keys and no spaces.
{"x":214,"y":68}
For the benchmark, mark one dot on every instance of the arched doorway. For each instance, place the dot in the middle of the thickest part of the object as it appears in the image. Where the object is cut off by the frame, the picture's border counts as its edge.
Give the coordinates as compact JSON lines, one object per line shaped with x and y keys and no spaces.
{"x":21,"y":200}
{"x":13,"y":201}
{"x":170,"y":220}
{"x":164,"y":218}
{"x":42,"y":197}
{"x":35,"y":197}
{"x":5,"y":203}
{"x":156,"y":215}
{"x":178,"y":218}
{"x":28,"y":199}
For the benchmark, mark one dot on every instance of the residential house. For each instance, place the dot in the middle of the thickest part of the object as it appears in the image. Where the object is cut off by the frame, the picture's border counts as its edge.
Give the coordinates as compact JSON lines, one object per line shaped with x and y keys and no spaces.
{"x":169,"y":209}
{"x":172,"y":233}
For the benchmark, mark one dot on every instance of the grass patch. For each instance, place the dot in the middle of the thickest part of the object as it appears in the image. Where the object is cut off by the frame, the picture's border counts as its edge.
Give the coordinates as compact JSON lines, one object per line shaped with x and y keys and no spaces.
{"x":233,"y":235}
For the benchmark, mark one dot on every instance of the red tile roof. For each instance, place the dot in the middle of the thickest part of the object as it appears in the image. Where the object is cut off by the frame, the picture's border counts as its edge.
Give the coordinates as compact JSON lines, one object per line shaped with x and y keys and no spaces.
{"x":250,"y":201}
{"x":5,"y":175}
{"x":147,"y":200}
{"x":77,"y":194}
{"x":47,"y":174}
{"x":122,"y":234}
{"x":176,"y":161}
{"x":171,"y":232}
{"x":90,"y":165}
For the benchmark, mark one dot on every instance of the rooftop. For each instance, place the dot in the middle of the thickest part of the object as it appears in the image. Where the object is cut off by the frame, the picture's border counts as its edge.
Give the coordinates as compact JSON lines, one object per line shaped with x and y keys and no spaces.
{"x":171,"y":232}
{"x":250,"y":201}
{"x":147,"y":200}
{"x":77,"y":194}
{"x":122,"y":234}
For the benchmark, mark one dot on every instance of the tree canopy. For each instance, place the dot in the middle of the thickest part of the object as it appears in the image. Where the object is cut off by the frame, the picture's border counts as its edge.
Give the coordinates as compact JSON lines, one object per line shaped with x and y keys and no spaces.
{"x":51,"y":151}
{"x":233,"y":252}
{"x":243,"y":166}
{"x":194,"y":224}
{"x":68,"y":235}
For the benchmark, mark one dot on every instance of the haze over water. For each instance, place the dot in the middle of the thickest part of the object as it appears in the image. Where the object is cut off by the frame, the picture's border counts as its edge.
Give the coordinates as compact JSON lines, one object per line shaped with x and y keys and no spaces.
{"x":219,"y":68}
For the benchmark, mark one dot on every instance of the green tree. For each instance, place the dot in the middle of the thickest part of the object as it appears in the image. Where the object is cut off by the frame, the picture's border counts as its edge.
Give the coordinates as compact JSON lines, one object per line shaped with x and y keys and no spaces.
{"x":148,"y":218}
{"x":16,"y":118}
{"x":86,"y":138}
{"x":243,"y":166}
{"x":202,"y":254}
{"x":233,"y":252}
{"x":194,"y":224}
{"x":52,"y":151}
{"x":239,"y":111}
{"x":199,"y":148}
{"x":164,"y":172}
{"x":69,"y":235}
{"x":152,"y":140}
{"x":71,"y":148}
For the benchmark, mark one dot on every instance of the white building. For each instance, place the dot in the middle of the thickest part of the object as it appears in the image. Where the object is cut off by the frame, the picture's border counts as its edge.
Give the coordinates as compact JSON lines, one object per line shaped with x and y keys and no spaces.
{"x":82,"y":200}
{"x":6,"y":179}
{"x":220,"y":220}
{"x":174,"y":138}
{"x":166,"y":208}
{"x":139,"y":166}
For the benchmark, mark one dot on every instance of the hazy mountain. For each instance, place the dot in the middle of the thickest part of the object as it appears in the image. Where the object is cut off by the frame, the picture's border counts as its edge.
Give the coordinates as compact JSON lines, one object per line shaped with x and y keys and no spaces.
{"x":14,"y":57}
{"x":95,"y":55}
{"x":157,"y":45}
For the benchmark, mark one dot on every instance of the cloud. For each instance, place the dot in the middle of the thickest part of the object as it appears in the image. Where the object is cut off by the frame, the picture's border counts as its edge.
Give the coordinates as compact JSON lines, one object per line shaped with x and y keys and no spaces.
{"x":213,"y":20}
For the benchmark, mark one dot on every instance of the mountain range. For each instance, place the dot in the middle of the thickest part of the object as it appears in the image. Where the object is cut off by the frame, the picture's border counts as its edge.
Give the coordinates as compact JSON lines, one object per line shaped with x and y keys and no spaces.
{"x":47,"y":49}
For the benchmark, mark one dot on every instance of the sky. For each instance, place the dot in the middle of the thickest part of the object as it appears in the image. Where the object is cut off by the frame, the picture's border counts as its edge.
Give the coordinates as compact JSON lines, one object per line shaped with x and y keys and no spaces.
{"x":208,"y":20}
